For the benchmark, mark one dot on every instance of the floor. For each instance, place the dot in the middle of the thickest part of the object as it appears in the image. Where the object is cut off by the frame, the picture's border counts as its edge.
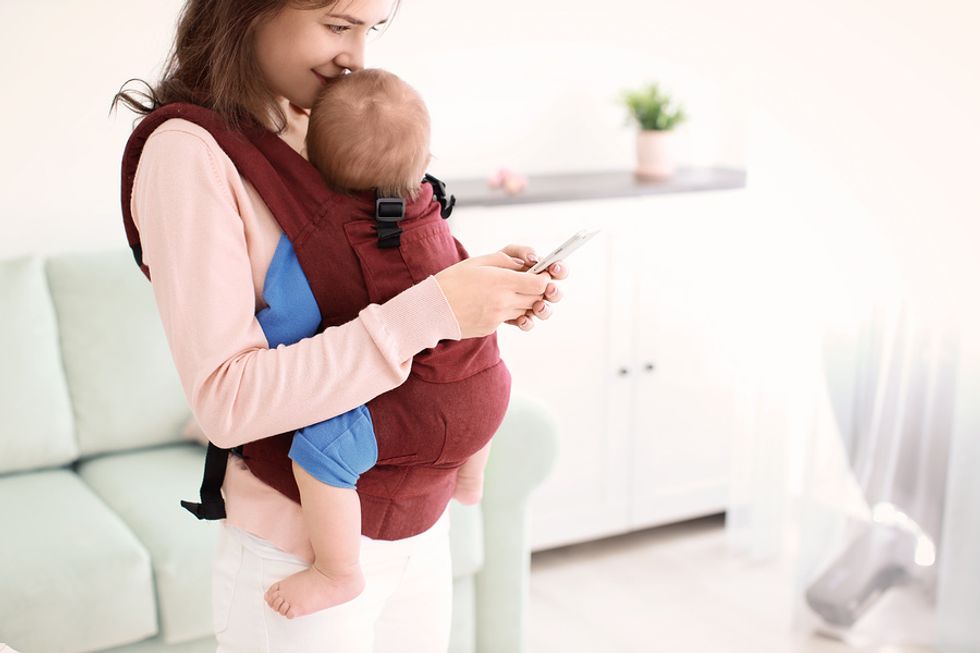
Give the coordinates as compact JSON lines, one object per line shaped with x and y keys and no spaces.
{"x":673,"y":588}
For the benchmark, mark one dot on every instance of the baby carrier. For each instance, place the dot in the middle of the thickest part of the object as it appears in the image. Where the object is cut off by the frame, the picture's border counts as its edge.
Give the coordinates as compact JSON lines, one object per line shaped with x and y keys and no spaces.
{"x":356,"y":250}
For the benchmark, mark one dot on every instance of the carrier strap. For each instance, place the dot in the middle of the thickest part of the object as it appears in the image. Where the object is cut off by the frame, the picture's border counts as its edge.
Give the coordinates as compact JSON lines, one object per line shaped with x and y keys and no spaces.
{"x":212,"y":504}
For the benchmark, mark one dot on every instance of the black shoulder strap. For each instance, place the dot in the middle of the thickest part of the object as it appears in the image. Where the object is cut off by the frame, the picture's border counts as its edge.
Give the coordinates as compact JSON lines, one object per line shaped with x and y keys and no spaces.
{"x":212,"y":505}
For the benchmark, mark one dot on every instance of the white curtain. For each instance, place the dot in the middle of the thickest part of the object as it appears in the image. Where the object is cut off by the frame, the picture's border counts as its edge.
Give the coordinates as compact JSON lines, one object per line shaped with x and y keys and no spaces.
{"x":958,"y":595}
{"x":857,"y":457}
{"x":858,"y":425}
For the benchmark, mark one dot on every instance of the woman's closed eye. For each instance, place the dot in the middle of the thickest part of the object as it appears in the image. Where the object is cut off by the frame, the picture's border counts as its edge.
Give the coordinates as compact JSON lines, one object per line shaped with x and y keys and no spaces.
{"x":340,"y":29}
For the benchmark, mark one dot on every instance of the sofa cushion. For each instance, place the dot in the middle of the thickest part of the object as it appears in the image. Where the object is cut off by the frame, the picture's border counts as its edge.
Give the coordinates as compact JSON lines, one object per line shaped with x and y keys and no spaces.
{"x":35,"y":412}
{"x":466,"y":538}
{"x":145,"y":488}
{"x":75,"y":578}
{"x":124,"y":387}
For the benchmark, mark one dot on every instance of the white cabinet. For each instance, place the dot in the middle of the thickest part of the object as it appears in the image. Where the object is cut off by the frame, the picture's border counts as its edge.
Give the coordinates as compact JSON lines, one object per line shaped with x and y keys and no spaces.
{"x":684,"y":318}
{"x":635,"y":366}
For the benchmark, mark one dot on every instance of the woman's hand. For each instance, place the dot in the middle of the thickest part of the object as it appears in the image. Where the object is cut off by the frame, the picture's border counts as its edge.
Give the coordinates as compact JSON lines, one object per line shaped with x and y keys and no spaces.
{"x":541,"y":308}
{"x":484,"y":291}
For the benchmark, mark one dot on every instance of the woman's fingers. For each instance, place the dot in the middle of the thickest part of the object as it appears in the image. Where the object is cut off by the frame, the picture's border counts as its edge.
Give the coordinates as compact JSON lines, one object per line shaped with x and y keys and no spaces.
{"x":498,"y":259}
{"x":535,"y":306}
{"x":529,"y":284}
{"x":540,"y":309}
{"x":533,"y":293}
{"x":558,"y":270}
{"x":523,"y":323}
{"x":524,"y":252}
{"x":553,"y":293}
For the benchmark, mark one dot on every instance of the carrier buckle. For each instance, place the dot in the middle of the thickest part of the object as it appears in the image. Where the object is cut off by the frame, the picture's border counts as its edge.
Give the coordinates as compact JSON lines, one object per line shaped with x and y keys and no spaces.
{"x":388,"y":212}
{"x":439,"y":190}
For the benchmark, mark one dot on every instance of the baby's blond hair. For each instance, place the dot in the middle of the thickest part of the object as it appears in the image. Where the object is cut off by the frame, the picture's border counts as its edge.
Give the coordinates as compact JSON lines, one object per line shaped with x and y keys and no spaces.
{"x":370,"y":129}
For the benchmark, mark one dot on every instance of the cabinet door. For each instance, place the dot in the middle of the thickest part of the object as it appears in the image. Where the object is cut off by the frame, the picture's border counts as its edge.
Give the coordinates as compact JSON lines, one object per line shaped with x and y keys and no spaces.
{"x":687,"y":284}
{"x":564,"y":364}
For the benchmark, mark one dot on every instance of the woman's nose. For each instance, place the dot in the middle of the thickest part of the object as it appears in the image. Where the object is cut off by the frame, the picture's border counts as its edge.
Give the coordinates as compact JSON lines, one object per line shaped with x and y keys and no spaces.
{"x":352,"y":57}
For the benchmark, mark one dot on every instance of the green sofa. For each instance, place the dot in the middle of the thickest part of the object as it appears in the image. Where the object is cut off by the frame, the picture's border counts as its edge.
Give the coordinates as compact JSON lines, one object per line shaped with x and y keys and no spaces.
{"x":95,"y":552}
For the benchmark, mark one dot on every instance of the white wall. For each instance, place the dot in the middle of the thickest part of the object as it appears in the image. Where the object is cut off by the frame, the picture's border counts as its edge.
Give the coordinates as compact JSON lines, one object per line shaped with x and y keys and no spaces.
{"x":861,"y":115}
{"x":61,"y":63}
{"x":864,"y":141}
{"x":529,"y":85}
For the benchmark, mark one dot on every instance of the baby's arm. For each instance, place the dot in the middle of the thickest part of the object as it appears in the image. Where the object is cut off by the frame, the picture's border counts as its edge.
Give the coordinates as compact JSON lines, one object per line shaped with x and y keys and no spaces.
{"x":469,"y":479}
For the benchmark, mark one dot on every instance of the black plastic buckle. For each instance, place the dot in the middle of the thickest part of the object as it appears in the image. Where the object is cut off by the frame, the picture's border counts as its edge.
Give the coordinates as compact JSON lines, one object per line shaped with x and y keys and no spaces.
{"x":439,"y":190}
{"x":388,"y":212}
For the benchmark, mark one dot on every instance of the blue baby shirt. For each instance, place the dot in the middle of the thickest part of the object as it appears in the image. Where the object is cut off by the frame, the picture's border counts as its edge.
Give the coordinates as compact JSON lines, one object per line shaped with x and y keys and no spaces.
{"x":338,"y":450}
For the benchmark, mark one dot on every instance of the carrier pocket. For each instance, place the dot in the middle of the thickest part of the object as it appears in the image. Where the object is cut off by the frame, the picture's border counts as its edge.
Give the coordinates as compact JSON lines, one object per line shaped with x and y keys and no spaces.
{"x":430,"y":249}
{"x":426,"y":248}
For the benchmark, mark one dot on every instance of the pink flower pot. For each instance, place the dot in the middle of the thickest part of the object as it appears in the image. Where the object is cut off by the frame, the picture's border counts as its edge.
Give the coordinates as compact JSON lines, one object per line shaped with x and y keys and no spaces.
{"x":654,"y":154}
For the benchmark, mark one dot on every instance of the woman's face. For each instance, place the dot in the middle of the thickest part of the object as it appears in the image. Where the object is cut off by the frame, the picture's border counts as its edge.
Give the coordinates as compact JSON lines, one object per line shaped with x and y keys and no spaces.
{"x":298,"y":49}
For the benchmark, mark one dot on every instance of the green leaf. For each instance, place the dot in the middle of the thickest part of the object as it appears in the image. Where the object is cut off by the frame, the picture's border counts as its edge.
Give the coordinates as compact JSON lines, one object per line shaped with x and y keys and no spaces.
{"x":651,"y":108}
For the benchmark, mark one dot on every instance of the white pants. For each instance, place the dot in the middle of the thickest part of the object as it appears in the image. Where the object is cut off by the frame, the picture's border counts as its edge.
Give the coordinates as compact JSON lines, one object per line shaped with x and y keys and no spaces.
{"x":406,"y":606}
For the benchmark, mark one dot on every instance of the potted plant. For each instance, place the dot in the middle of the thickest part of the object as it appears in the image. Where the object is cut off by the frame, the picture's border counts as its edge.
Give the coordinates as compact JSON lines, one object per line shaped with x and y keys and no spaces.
{"x":656,"y":115}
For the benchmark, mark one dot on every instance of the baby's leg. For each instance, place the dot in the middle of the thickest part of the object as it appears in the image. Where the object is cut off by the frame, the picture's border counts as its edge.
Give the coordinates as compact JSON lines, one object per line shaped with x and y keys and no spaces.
{"x":469,"y":478}
{"x":333,"y":521}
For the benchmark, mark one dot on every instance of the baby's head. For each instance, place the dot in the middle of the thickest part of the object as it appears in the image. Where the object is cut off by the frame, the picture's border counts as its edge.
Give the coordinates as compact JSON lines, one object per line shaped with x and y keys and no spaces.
{"x":367,"y":130}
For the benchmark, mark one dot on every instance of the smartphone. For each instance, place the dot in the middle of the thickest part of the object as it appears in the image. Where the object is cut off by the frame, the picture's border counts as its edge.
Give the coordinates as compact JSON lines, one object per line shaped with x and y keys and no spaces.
{"x":562,"y":251}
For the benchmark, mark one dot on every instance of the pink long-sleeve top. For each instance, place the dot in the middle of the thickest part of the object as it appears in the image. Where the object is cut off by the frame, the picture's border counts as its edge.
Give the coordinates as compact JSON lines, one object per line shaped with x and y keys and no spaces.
{"x":208,"y":239}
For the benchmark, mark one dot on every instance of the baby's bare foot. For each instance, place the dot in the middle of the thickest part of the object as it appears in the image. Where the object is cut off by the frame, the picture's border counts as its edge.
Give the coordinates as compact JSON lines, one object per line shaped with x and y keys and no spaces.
{"x":469,"y":489}
{"x":311,"y":590}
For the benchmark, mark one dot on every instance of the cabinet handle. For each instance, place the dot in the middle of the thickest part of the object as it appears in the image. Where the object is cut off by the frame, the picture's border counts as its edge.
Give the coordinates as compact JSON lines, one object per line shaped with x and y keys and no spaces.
{"x":624,"y":371}
{"x":649,"y":367}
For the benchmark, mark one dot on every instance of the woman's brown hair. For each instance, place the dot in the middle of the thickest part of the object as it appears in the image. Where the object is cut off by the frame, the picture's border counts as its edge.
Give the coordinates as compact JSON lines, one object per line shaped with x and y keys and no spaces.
{"x":212,"y":62}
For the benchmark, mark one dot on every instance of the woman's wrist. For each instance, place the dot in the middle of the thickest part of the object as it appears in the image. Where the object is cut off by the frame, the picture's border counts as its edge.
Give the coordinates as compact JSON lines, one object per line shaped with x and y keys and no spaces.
{"x":415,"y":319}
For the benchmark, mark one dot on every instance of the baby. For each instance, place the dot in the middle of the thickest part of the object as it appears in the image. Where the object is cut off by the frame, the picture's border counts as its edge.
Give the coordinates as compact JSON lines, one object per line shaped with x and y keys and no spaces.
{"x":367,"y":130}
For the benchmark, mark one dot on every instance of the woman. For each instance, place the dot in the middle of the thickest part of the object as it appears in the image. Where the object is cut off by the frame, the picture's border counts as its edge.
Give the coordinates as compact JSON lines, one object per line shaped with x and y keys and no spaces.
{"x":208,"y":237}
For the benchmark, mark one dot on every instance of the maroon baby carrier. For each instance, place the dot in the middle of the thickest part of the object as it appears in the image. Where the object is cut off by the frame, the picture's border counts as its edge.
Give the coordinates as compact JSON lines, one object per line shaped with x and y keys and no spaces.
{"x":357,"y":250}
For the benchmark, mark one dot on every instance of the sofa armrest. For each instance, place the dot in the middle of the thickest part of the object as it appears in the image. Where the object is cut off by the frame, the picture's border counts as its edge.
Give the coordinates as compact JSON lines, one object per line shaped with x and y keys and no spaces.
{"x":523,"y":452}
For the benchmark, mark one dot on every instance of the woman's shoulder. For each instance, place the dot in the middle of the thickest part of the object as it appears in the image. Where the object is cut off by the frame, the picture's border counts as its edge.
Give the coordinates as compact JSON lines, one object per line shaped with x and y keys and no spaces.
{"x":184,"y":126}
{"x":180,"y":149}
{"x":178,"y":140}
{"x":182,"y":177}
